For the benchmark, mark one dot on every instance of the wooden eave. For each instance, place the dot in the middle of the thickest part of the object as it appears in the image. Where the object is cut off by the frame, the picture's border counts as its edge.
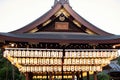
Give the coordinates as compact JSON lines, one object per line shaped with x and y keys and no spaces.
{"x":22,"y":35}
{"x":51,"y":12}
{"x":53,"y":37}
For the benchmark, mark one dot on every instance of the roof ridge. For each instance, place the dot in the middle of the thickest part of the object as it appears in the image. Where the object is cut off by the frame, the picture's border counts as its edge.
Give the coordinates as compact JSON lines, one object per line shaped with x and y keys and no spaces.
{"x":61,"y":2}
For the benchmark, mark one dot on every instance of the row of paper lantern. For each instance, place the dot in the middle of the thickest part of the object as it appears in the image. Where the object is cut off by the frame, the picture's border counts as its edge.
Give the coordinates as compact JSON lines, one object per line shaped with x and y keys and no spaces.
{"x":87,"y":61}
{"x":82,"y":68}
{"x":38,"y":77}
{"x":39,"y":61}
{"x":58,"y":77}
{"x":31,"y":53}
{"x":41,"y":69}
{"x":91,"y":54}
{"x":59,"y":68}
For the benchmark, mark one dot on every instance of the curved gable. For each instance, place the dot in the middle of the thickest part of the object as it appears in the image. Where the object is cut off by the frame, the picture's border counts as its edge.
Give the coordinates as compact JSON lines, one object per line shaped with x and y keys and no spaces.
{"x":61,"y":10}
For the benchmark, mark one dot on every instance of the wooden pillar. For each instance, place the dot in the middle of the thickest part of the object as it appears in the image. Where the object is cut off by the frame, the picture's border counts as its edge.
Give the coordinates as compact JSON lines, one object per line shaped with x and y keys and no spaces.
{"x":81,"y":75}
{"x":78,"y":75}
{"x":29,"y":76}
{"x":47,"y":76}
{"x":62,"y":71}
{"x":73,"y":76}
{"x":63,"y":62}
{"x":88,"y":76}
{"x":95,"y":75}
{"x":51,"y":76}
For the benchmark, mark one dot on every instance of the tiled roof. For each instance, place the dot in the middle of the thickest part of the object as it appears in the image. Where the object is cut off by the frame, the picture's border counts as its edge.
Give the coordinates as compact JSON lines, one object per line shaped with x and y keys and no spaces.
{"x":60,"y":36}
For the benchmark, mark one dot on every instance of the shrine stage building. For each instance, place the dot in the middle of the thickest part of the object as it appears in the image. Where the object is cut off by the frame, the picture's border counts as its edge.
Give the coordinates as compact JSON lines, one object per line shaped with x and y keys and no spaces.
{"x":60,"y":44}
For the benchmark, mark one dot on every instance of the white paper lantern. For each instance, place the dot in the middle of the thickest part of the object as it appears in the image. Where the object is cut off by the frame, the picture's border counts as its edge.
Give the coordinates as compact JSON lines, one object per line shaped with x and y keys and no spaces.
{"x":64,"y":68}
{"x":27,"y":53}
{"x":76,"y":68}
{"x":40,"y":69}
{"x":86,"y":54}
{"x":48,"y":53}
{"x":51,"y":61}
{"x":40,"y":54}
{"x":65,"y":61}
{"x":50,"y":68}
{"x":11,"y":53}
{"x":23,"y":61}
{"x":68,"y":68}
{"x":66,"y":54}
{"x":55,"y":68}
{"x":6,"y":52}
{"x":31,"y":61}
{"x":19,"y":60}
{"x":36,"y":69}
{"x":59,"y":61}
{"x":74,"y":54}
{"x":55,"y":61}
{"x":28,"y":69}
{"x":77,"y":61}
{"x":44,"y":54}
{"x":35,"y":61}
{"x":15,"y":54}
{"x":88,"y":61}
{"x":47,"y":68}
{"x":32,"y":69}
{"x":15,"y":60}
{"x":94,"y":54}
{"x":72,"y":68}
{"x":52,"y":54}
{"x":82,"y":54}
{"x":19,"y":53}
{"x":60,"y":54}
{"x":47,"y":61}
{"x":73,"y":61}
{"x":31,"y":53}
{"x":23,"y":54}
{"x":27,"y":60}
{"x":80,"y":61}
{"x":59,"y":68}
{"x":36,"y":53}
{"x":90,"y":54}
{"x":55,"y":54}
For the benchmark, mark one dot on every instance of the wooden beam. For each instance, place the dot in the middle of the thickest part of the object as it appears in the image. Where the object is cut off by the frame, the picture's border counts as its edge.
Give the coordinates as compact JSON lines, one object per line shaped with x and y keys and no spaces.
{"x":51,"y":76}
{"x":47,"y":76}
{"x":29,"y":76}
{"x":95,"y":75}
{"x":88,"y":76}
{"x":78,"y":75}
{"x":73,"y":76}
{"x":81,"y":74}
{"x":116,"y":45}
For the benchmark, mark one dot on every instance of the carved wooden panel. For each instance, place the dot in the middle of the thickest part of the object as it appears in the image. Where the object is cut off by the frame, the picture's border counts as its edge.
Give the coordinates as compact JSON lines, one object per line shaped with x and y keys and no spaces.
{"x":61,"y":26}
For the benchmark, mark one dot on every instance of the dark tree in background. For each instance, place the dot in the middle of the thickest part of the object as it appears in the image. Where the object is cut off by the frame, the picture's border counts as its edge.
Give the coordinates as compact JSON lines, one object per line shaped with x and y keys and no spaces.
{"x":118,"y":60}
{"x":103,"y":76}
{"x":8,"y":71}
